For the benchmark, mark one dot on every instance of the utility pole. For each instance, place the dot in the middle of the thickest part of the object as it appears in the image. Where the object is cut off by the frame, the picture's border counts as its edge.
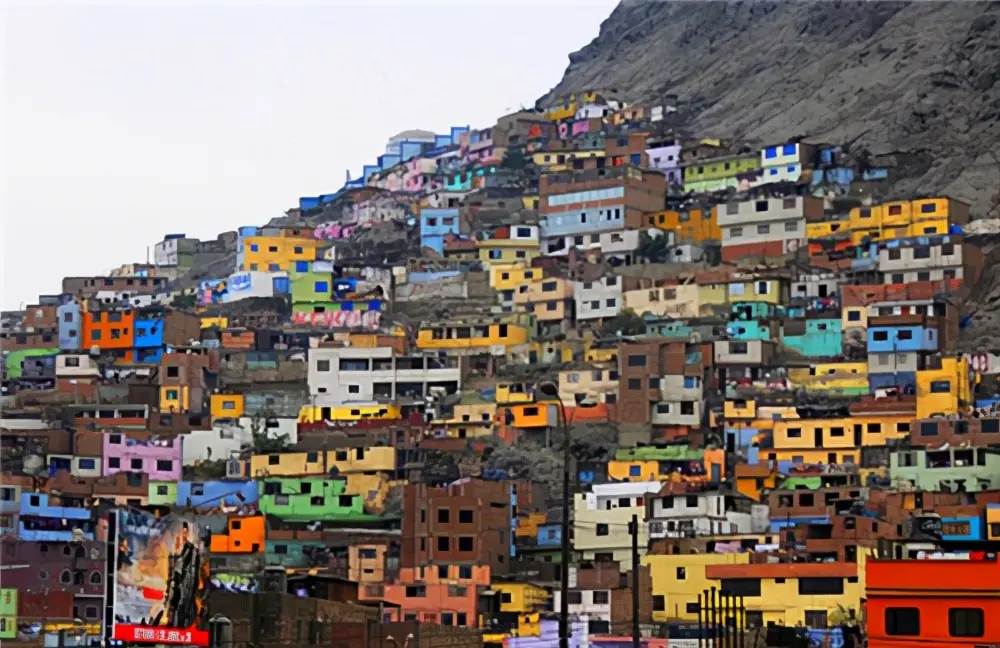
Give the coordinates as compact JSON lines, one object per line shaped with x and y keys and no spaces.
{"x":634,"y":531}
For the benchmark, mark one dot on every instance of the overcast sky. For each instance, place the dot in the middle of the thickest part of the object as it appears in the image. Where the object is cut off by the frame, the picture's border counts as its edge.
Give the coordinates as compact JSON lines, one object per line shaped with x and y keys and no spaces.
{"x":122,"y":124}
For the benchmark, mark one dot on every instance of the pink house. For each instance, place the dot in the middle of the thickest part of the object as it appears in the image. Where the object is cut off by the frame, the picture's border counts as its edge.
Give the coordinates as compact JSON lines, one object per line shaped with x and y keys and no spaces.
{"x":160,"y":459}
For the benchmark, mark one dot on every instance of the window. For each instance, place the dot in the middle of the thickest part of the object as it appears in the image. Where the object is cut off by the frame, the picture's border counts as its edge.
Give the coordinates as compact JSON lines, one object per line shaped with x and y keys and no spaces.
{"x":764,"y":229}
{"x":816,"y":619}
{"x":659,"y":603}
{"x":95,"y":335}
{"x":136,"y":464}
{"x":321,"y":287}
{"x":966,"y":622}
{"x":603,"y":597}
{"x":173,"y":372}
{"x":465,"y":516}
{"x":791,"y":226}
{"x":741,"y":586}
{"x":164,"y":465}
{"x":602,"y":529}
{"x":681,"y":573}
{"x":444,"y":515}
{"x":853,"y":316}
{"x":635,"y":383}
{"x":760,"y":206}
{"x":416,"y":591}
{"x":763,"y":288}
{"x":735,"y":232}
{"x":322,"y":365}
{"x":87,"y":464}
{"x":902,"y":622}
{"x":637,"y":361}
{"x":466,"y":544}
{"x":575,"y":598}
{"x":819,"y":586}
{"x":941,"y":387}
{"x":443,"y":543}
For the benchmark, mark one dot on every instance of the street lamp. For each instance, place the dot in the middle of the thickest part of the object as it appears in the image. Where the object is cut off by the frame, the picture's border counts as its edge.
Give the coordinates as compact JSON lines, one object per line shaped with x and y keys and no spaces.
{"x":551,"y":389}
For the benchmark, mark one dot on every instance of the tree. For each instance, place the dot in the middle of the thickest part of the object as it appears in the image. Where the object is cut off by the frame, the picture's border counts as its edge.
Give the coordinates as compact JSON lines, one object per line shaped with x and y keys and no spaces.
{"x":514,"y":160}
{"x":654,"y":249}
{"x":627,"y":323}
{"x":262,"y":440}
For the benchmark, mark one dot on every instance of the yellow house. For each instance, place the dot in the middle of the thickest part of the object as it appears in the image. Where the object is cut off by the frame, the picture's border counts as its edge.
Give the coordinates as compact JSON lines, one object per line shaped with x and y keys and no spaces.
{"x":507,"y":251}
{"x":678,"y":579}
{"x":587,"y":381}
{"x":602,"y":354}
{"x":274,"y":253}
{"x":796,"y":594}
{"x":353,"y":412}
{"x":345,"y":460}
{"x":506,"y":277}
{"x":175,"y":398}
{"x":226,"y":406}
{"x":520,"y":597}
{"x":470,"y":420}
{"x":943,"y":391}
{"x":209,"y":322}
{"x":827,"y":228}
{"x":850,"y":378}
{"x":469,"y":336}
{"x":674,"y":301}
{"x":770,"y":291}
{"x":548,"y":299}
{"x":510,"y":393}
{"x":712,"y":294}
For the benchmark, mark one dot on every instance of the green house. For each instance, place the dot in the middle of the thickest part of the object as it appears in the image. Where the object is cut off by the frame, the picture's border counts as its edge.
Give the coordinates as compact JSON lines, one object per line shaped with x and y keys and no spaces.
{"x":162,"y":493}
{"x":310,"y":499}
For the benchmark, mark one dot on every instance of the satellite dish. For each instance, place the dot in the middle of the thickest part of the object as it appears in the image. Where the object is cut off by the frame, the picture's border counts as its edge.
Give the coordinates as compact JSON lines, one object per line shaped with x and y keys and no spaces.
{"x":32,"y":465}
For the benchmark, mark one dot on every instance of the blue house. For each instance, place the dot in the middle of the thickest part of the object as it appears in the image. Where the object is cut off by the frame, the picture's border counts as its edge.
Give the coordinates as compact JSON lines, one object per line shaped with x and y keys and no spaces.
{"x":435,"y":224}
{"x":149,"y":340}
{"x":69,"y":315}
{"x":212,"y":493}
{"x":41,"y":522}
{"x":901,"y":339}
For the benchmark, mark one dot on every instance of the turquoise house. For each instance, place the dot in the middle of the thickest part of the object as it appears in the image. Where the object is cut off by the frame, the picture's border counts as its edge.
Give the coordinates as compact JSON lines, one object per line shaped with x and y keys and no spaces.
{"x":814,"y":338}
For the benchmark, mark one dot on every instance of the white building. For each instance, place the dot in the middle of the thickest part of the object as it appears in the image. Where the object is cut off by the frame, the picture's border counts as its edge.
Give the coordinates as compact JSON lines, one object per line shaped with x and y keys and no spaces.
{"x":228,"y":437}
{"x":598,"y":299}
{"x":684,"y":516}
{"x":339,"y":375}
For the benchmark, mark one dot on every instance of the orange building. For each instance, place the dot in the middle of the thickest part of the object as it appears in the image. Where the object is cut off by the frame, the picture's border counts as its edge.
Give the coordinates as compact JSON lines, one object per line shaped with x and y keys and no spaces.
{"x":109,"y":329}
{"x":440,"y":603}
{"x":244,"y":534}
{"x":689,"y":226}
{"x":941,"y":603}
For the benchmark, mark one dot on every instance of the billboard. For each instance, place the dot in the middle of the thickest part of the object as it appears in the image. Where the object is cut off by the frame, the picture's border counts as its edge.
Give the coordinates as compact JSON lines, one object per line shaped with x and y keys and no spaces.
{"x":161,"y":580}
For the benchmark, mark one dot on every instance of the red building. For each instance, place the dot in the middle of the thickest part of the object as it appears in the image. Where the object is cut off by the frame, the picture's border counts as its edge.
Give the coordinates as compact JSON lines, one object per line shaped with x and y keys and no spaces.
{"x":941,"y":603}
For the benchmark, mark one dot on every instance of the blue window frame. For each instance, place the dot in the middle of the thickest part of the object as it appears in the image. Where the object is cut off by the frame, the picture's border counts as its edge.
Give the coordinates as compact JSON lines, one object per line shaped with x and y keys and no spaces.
{"x":792,"y":168}
{"x":635,"y":471}
{"x":771,"y":152}
{"x":321,"y":287}
{"x":273,"y":267}
{"x":788,"y":149}
{"x":301,"y":266}
{"x":253,"y":247}
{"x":774,"y":172}
{"x":297,"y":249}
{"x":88,"y":464}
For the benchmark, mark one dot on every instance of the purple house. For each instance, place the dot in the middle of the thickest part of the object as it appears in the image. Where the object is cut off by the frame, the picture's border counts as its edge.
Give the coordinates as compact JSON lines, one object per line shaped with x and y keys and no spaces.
{"x":160,"y":459}
{"x":549,"y":637}
{"x":666,"y":156}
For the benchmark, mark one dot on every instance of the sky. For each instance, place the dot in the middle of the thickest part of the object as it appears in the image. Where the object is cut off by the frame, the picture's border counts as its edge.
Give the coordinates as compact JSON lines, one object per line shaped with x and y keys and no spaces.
{"x":125,"y":123}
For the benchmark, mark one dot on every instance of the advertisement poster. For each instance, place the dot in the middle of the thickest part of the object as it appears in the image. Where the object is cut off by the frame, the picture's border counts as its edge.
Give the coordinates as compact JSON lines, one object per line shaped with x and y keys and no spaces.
{"x":8,"y":613}
{"x":161,"y":580}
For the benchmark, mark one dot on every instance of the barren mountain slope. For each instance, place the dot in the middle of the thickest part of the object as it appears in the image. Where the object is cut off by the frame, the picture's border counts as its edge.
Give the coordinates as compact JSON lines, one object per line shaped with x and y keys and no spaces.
{"x":890,"y":76}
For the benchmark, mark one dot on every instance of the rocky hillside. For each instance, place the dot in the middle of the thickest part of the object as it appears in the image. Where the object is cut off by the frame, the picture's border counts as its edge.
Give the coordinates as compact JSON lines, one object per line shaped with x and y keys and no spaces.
{"x":919,"y":77}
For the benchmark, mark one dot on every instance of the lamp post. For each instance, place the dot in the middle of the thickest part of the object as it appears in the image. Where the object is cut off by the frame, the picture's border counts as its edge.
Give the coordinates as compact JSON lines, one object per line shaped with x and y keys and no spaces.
{"x":550,"y":389}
